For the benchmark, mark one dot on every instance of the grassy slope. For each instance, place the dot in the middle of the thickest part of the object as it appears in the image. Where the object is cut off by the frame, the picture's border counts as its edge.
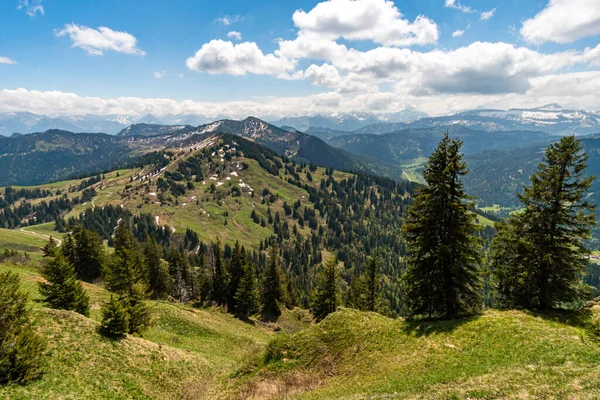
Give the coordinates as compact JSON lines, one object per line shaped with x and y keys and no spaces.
{"x":186,"y":354}
{"x":207,"y":217}
{"x":500,"y":354}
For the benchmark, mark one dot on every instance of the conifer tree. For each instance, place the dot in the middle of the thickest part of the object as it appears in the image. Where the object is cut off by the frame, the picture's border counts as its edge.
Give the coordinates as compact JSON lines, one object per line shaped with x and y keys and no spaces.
{"x":62,"y":290}
{"x":89,"y":254}
{"x":219,"y":279}
{"x":539,"y":255}
{"x":50,"y":248}
{"x":246,"y":297}
{"x":21,"y":349}
{"x":137,"y":309}
{"x":115,"y":319}
{"x":159,"y":279}
{"x":325,"y":296}
{"x":442,"y":277}
{"x":372,"y":283}
{"x":235,"y":272}
{"x":271,"y":292}
{"x":356,"y":295}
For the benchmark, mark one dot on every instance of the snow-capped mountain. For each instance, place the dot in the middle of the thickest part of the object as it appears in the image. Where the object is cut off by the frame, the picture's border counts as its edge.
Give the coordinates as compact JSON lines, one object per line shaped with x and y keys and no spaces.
{"x":550,"y":118}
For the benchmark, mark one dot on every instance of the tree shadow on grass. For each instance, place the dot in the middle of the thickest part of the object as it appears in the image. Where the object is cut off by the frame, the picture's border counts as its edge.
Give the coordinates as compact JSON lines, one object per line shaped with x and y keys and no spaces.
{"x":428,"y":326}
{"x":580,"y":318}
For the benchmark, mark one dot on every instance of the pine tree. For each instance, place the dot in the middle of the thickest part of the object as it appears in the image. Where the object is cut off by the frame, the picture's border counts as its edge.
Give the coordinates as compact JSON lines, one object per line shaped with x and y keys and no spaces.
{"x":62,"y":290}
{"x":50,"y":248}
{"x":271,"y":292}
{"x":246,"y":297}
{"x":115,"y":319}
{"x":219,"y":279}
{"x":325,"y":296}
{"x":539,"y":255}
{"x":89,"y":254}
{"x":235,"y":273}
{"x":159,"y":279}
{"x":356,"y":295}
{"x":137,"y":310}
{"x":442,"y":277}
{"x":372,"y":283}
{"x":126,"y":267}
{"x":21,"y":349}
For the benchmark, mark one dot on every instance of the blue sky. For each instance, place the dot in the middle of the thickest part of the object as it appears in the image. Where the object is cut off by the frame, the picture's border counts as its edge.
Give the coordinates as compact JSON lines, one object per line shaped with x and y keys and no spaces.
{"x":428,"y":65}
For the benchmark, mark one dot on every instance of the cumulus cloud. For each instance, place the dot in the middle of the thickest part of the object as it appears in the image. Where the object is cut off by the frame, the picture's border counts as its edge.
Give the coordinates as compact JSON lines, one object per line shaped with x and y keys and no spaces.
{"x":234,"y":35}
{"x":159,"y":74}
{"x":457,"y":6}
{"x":223,"y":57}
{"x":487,"y":14}
{"x":458,"y":33}
{"x":6,"y":60}
{"x":31,"y":7}
{"x":377,"y":20}
{"x":97,"y":41}
{"x":579,"y":90}
{"x":228,"y":19}
{"x":563,"y":21}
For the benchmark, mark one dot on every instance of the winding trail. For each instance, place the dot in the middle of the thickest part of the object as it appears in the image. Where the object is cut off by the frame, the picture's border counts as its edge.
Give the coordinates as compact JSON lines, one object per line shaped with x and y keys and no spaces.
{"x":41,"y":235}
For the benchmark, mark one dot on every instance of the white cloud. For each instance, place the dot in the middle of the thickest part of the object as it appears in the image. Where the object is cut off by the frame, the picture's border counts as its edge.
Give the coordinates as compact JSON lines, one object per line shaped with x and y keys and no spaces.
{"x":31,"y":7}
{"x":457,"y":6}
{"x":159,"y":74}
{"x":229,"y":19}
{"x":377,"y":20}
{"x":97,"y":41}
{"x":458,"y":33}
{"x":6,"y":60}
{"x":221,"y":57}
{"x":579,"y":90}
{"x":563,"y":21}
{"x":234,"y":35}
{"x":487,"y":14}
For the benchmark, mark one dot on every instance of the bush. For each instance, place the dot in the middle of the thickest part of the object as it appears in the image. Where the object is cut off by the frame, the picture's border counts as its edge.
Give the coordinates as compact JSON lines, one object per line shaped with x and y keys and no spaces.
{"x":21,"y":349}
{"x":277,"y":348}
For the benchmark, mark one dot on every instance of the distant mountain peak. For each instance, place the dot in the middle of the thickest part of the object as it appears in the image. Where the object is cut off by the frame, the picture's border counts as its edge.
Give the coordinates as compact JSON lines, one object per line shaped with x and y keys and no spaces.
{"x":551,"y":106}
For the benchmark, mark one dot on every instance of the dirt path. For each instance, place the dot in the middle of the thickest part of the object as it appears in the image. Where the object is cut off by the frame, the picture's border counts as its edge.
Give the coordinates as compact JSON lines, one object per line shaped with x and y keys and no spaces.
{"x":58,"y":241}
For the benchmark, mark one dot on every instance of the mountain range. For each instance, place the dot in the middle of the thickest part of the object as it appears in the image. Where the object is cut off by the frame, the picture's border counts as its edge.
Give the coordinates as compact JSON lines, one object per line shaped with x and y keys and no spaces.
{"x":550,"y":118}
{"x":57,"y":154}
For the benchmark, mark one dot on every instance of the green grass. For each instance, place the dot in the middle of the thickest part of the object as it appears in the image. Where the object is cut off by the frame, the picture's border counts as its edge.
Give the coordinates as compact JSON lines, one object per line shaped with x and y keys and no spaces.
{"x":15,"y":239}
{"x":498,"y":354}
{"x":187,"y":353}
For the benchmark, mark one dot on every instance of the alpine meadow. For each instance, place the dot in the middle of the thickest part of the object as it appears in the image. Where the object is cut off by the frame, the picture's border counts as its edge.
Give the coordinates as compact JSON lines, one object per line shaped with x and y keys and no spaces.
{"x":336,"y":199}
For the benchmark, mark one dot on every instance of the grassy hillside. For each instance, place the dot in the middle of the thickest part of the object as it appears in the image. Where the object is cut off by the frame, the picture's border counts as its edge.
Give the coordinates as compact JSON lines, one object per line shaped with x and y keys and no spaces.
{"x":187,"y":353}
{"x":499,"y":354}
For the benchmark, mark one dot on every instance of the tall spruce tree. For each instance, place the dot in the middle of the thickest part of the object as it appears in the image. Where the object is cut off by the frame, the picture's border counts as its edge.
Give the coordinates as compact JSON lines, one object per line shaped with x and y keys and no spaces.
{"x":246,"y":297}
{"x":159,"y":279}
{"x":62,"y":290}
{"x":271,"y":292}
{"x":89,"y":254}
{"x":235,"y":271}
{"x":442,"y":277}
{"x":219,"y":278}
{"x":325,"y":296}
{"x":372,"y":283}
{"x":21,"y":349}
{"x":539,"y":255}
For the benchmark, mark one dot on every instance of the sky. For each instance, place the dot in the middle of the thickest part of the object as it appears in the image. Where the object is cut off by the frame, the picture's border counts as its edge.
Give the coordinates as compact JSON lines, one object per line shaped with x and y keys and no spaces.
{"x":288,"y":58}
